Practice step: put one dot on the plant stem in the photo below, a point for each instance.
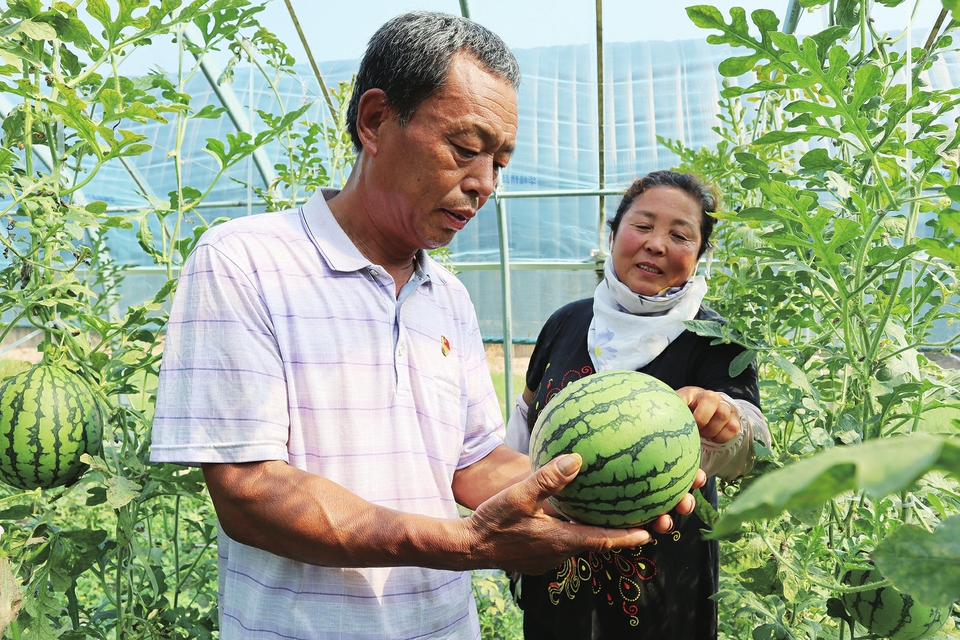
(176, 549)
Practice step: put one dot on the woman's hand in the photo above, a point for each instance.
(718, 419)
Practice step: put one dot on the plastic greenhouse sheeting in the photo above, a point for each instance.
(651, 88)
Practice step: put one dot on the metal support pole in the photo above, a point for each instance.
(507, 302)
(234, 109)
(792, 16)
(313, 64)
(601, 148)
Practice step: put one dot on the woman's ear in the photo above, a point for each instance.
(372, 112)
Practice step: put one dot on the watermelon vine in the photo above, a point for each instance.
(838, 268)
(96, 542)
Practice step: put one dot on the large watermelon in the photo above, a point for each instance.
(888, 613)
(49, 417)
(639, 443)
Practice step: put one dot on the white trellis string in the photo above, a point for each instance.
(12, 346)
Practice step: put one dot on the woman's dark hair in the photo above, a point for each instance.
(703, 192)
(409, 56)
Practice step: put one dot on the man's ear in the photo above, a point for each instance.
(372, 112)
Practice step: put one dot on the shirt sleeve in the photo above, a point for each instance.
(222, 393)
(735, 457)
(518, 434)
(484, 426)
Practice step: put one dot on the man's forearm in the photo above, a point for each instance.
(305, 517)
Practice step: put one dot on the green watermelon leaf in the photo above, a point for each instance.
(121, 491)
(10, 368)
(705, 328)
(741, 362)
(925, 565)
(704, 509)
(879, 468)
(953, 6)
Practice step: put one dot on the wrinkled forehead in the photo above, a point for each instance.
(477, 102)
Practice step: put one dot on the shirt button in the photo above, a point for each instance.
(373, 272)
(400, 349)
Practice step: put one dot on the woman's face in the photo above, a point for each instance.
(657, 243)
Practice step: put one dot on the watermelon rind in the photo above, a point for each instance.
(638, 440)
(887, 612)
(49, 417)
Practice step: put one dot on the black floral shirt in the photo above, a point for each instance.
(660, 590)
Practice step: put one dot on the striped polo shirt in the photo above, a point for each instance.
(285, 343)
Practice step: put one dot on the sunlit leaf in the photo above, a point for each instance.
(120, 491)
(867, 84)
(739, 65)
(879, 468)
(954, 7)
(741, 362)
(936, 248)
(37, 30)
(706, 328)
(782, 137)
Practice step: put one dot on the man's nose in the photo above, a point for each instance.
(482, 179)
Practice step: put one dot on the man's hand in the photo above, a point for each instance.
(513, 531)
(289, 512)
(718, 420)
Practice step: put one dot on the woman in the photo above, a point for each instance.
(634, 321)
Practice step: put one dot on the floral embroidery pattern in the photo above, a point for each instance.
(553, 388)
(616, 575)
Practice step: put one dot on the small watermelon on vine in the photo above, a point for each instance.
(49, 418)
(888, 613)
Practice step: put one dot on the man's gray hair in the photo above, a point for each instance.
(409, 56)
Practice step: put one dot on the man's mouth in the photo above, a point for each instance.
(459, 219)
(649, 269)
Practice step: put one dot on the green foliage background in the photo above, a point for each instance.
(837, 258)
(129, 551)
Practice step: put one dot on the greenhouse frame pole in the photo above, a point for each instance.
(791, 16)
(601, 160)
(234, 109)
(313, 63)
(505, 290)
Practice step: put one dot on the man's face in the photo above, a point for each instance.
(433, 173)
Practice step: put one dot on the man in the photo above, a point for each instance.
(330, 377)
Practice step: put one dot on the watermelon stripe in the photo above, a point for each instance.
(639, 443)
(888, 613)
(49, 417)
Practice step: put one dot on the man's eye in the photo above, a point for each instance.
(465, 153)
